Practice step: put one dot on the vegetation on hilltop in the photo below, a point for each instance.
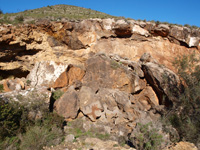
(66, 12)
(53, 13)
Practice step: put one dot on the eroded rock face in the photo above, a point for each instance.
(99, 64)
(89, 103)
(162, 80)
(183, 146)
(68, 104)
(146, 99)
(13, 84)
(69, 76)
(72, 42)
(45, 73)
(103, 72)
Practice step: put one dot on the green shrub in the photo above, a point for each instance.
(10, 143)
(76, 128)
(15, 121)
(19, 18)
(28, 82)
(187, 25)
(1, 88)
(10, 117)
(1, 12)
(57, 94)
(185, 114)
(146, 137)
(39, 136)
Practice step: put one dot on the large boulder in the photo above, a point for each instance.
(161, 30)
(123, 30)
(161, 79)
(146, 99)
(103, 72)
(45, 73)
(185, 35)
(69, 76)
(68, 104)
(90, 103)
(193, 41)
(138, 30)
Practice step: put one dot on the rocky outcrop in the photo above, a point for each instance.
(54, 74)
(13, 84)
(71, 75)
(103, 72)
(163, 81)
(73, 42)
(68, 104)
(46, 73)
(103, 98)
(183, 146)
(114, 73)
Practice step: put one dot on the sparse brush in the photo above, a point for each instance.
(185, 114)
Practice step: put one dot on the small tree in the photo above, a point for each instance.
(1, 12)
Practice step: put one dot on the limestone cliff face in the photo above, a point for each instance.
(114, 74)
(73, 42)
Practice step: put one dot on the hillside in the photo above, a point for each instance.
(109, 83)
(53, 13)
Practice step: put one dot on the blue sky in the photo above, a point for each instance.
(173, 11)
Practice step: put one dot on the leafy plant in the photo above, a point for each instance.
(15, 120)
(1, 88)
(76, 128)
(57, 94)
(10, 117)
(39, 136)
(20, 18)
(185, 114)
(146, 137)
(28, 82)
(10, 143)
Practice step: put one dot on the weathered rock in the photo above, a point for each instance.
(108, 24)
(75, 73)
(185, 35)
(146, 57)
(69, 76)
(68, 105)
(69, 138)
(162, 80)
(72, 42)
(102, 72)
(106, 145)
(89, 103)
(179, 33)
(138, 30)
(61, 81)
(161, 30)
(123, 30)
(193, 41)
(183, 146)
(147, 98)
(45, 73)
(32, 96)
